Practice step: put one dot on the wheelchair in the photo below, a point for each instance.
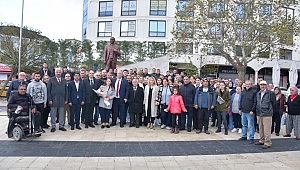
(20, 125)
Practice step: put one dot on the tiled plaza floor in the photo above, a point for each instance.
(131, 148)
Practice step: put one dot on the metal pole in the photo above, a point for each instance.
(20, 45)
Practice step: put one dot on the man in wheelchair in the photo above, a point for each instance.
(21, 103)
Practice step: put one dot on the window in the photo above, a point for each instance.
(216, 9)
(184, 48)
(127, 28)
(244, 10)
(185, 29)
(265, 11)
(264, 33)
(215, 31)
(243, 33)
(128, 7)
(157, 28)
(286, 54)
(105, 9)
(158, 7)
(185, 8)
(239, 52)
(105, 29)
(213, 51)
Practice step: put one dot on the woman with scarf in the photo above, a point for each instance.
(278, 111)
(293, 117)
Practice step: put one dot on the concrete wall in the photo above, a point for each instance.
(162, 63)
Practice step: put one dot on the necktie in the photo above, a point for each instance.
(117, 94)
(134, 91)
(58, 80)
(91, 83)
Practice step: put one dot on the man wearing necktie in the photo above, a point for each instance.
(122, 91)
(135, 103)
(91, 98)
(57, 94)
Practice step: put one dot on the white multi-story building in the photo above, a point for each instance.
(153, 20)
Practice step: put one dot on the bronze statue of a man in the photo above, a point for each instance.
(111, 53)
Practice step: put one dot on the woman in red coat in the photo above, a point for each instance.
(176, 106)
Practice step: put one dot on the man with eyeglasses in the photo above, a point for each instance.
(14, 85)
(67, 112)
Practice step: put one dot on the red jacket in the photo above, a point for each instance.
(176, 105)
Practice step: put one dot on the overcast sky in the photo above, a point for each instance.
(56, 19)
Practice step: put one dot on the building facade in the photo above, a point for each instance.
(153, 20)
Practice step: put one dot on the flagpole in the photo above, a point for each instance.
(20, 43)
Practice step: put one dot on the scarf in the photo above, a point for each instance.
(293, 97)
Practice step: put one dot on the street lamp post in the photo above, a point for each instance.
(20, 45)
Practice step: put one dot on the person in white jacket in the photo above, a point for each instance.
(38, 91)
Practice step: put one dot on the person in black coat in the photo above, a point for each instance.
(91, 98)
(45, 71)
(135, 103)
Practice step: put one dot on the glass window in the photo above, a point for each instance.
(286, 54)
(244, 10)
(184, 7)
(105, 9)
(158, 7)
(216, 9)
(185, 29)
(157, 28)
(213, 51)
(184, 48)
(215, 30)
(128, 7)
(265, 11)
(105, 29)
(243, 33)
(127, 29)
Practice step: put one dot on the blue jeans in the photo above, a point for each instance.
(189, 114)
(247, 119)
(230, 122)
(166, 118)
(96, 115)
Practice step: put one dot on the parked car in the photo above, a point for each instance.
(5, 89)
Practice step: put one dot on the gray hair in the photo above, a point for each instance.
(135, 80)
(58, 69)
(22, 73)
(248, 81)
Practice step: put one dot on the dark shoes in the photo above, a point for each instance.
(91, 125)
(265, 147)
(258, 143)
(207, 132)
(62, 129)
(251, 141)
(176, 131)
(107, 126)
(112, 124)
(137, 126)
(86, 126)
(78, 127)
(226, 131)
(242, 138)
(189, 130)
(131, 125)
(102, 127)
(72, 128)
(172, 130)
(96, 123)
(199, 131)
(121, 126)
(218, 131)
(277, 134)
(53, 130)
(287, 135)
(213, 125)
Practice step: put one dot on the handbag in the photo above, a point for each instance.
(220, 100)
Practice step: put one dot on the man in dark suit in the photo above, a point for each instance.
(122, 91)
(45, 71)
(91, 98)
(76, 99)
(135, 102)
(57, 94)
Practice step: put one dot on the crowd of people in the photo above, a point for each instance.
(172, 101)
